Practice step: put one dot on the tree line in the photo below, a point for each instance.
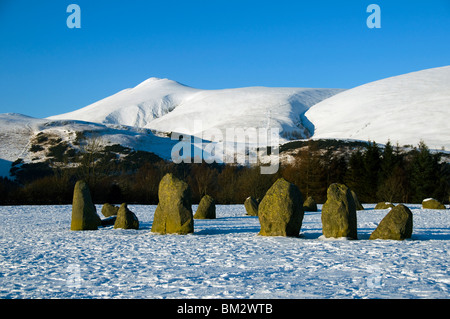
(116, 174)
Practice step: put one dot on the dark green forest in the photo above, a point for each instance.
(116, 174)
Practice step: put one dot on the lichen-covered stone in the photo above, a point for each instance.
(431, 203)
(109, 210)
(384, 205)
(339, 213)
(206, 208)
(281, 210)
(84, 213)
(126, 219)
(173, 215)
(310, 205)
(396, 225)
(356, 200)
(251, 206)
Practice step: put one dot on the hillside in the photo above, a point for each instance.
(168, 106)
(404, 109)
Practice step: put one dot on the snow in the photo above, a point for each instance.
(405, 109)
(168, 106)
(225, 258)
(17, 132)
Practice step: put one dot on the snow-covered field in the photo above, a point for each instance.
(225, 258)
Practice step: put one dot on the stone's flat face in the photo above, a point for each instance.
(251, 206)
(84, 214)
(173, 214)
(339, 213)
(396, 225)
(281, 210)
(126, 219)
(206, 208)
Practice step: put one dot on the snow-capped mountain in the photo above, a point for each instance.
(405, 109)
(168, 106)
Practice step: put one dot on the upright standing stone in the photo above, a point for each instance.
(126, 219)
(206, 208)
(281, 210)
(173, 215)
(339, 213)
(251, 206)
(396, 225)
(84, 213)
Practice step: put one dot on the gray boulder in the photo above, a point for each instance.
(126, 219)
(396, 225)
(84, 213)
(280, 212)
(206, 208)
(173, 215)
(339, 213)
(251, 206)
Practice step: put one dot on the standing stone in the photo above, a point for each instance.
(206, 209)
(396, 225)
(281, 210)
(431, 203)
(126, 219)
(339, 213)
(310, 205)
(357, 203)
(84, 213)
(109, 210)
(251, 206)
(384, 205)
(173, 215)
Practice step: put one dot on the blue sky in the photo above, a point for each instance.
(47, 68)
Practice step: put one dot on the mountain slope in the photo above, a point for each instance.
(19, 133)
(404, 109)
(165, 105)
